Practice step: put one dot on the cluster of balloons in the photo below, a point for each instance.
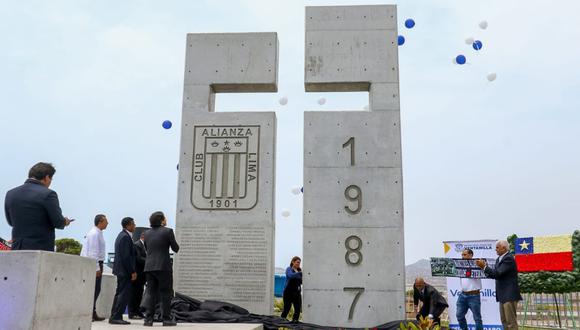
(409, 24)
(477, 45)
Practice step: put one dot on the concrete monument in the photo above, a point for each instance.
(42, 290)
(225, 208)
(353, 192)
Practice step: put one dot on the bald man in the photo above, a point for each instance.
(433, 302)
(507, 291)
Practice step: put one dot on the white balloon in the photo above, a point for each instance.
(285, 213)
(483, 25)
(366, 108)
(469, 41)
(296, 190)
(321, 101)
(491, 76)
(283, 100)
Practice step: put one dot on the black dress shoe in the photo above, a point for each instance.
(148, 323)
(97, 317)
(121, 322)
(169, 323)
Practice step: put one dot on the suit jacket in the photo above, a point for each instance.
(158, 240)
(125, 255)
(505, 273)
(34, 212)
(431, 298)
(141, 256)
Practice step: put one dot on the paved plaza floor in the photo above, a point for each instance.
(138, 325)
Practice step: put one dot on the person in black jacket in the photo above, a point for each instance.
(33, 211)
(158, 269)
(124, 268)
(433, 302)
(292, 290)
(507, 291)
(139, 284)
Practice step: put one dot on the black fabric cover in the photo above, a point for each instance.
(187, 309)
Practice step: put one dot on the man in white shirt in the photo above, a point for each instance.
(469, 298)
(95, 248)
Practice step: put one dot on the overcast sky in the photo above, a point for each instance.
(86, 85)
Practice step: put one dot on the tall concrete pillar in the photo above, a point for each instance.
(225, 207)
(353, 189)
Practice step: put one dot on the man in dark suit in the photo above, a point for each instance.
(433, 302)
(158, 268)
(507, 290)
(33, 211)
(137, 295)
(124, 268)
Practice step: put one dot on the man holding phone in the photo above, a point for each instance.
(33, 211)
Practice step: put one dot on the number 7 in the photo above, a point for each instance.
(358, 291)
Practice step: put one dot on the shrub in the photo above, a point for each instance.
(68, 246)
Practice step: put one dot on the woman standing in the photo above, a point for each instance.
(292, 291)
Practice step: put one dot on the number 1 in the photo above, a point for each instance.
(351, 143)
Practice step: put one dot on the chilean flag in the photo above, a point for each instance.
(545, 253)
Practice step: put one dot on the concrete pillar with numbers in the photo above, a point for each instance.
(225, 207)
(353, 189)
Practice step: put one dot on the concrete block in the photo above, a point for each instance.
(327, 135)
(348, 48)
(341, 18)
(105, 300)
(46, 290)
(378, 192)
(225, 219)
(336, 305)
(232, 62)
(384, 96)
(350, 57)
(355, 257)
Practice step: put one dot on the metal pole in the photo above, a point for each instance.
(557, 311)
(526, 308)
(571, 307)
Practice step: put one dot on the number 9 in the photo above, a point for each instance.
(356, 198)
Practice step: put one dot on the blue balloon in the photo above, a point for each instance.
(178, 167)
(409, 23)
(477, 45)
(401, 40)
(302, 189)
(167, 124)
(460, 59)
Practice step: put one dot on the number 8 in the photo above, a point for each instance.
(356, 250)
